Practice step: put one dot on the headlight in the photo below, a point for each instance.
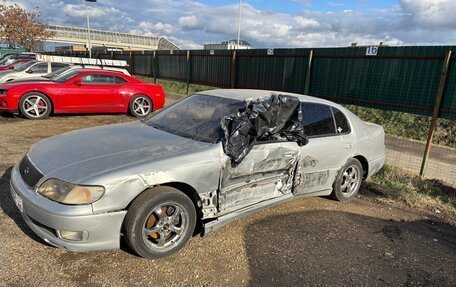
(69, 193)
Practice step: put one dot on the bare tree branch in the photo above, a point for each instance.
(19, 27)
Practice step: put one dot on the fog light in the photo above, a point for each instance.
(74, 235)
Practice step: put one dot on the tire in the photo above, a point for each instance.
(35, 106)
(348, 181)
(153, 236)
(141, 106)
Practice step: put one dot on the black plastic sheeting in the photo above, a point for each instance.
(274, 118)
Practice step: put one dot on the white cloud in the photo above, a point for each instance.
(439, 13)
(190, 22)
(304, 23)
(159, 27)
(81, 11)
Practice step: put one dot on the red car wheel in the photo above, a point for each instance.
(141, 106)
(35, 106)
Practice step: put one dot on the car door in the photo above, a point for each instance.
(266, 172)
(93, 92)
(330, 144)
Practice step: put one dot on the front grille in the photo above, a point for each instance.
(29, 173)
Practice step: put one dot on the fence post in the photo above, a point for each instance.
(187, 67)
(435, 113)
(153, 67)
(284, 73)
(132, 66)
(308, 72)
(233, 70)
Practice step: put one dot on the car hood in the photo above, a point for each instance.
(31, 80)
(6, 72)
(82, 154)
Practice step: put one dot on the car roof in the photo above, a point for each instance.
(250, 94)
(101, 71)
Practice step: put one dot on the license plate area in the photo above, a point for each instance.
(18, 201)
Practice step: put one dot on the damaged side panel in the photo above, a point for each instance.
(266, 172)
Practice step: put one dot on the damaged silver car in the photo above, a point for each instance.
(191, 168)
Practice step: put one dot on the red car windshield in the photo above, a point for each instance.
(197, 117)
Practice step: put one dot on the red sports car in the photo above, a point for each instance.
(11, 66)
(82, 91)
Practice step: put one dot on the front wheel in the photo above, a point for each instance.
(35, 106)
(348, 181)
(159, 222)
(141, 106)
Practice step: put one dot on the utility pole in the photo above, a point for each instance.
(89, 44)
(239, 24)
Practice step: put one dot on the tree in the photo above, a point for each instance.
(19, 27)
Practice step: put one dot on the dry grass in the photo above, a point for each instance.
(400, 185)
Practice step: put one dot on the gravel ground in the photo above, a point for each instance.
(312, 241)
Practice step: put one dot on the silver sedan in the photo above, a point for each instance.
(191, 168)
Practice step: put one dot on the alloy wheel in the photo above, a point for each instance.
(165, 226)
(142, 106)
(350, 180)
(35, 106)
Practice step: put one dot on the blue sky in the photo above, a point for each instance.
(286, 23)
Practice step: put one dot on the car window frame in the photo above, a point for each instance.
(331, 108)
(346, 119)
(36, 64)
(102, 84)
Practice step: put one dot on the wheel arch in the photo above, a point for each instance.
(189, 191)
(364, 164)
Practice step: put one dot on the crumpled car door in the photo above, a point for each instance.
(266, 172)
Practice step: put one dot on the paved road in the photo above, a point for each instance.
(408, 154)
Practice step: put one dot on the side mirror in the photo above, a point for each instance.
(29, 72)
(78, 82)
(11, 67)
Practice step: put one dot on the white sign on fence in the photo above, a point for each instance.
(371, 50)
(270, 52)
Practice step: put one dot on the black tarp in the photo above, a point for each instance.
(274, 118)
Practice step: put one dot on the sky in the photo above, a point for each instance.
(266, 24)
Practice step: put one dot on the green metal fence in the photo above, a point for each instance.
(403, 79)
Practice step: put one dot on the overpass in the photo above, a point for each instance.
(77, 35)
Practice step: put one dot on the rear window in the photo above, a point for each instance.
(317, 120)
(99, 79)
(342, 125)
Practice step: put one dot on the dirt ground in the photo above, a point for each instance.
(313, 241)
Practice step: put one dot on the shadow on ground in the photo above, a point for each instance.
(339, 248)
(9, 208)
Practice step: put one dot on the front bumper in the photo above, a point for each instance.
(46, 218)
(8, 104)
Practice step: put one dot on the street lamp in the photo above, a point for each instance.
(89, 45)
(239, 24)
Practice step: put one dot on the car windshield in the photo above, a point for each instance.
(23, 66)
(62, 78)
(197, 117)
(58, 72)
